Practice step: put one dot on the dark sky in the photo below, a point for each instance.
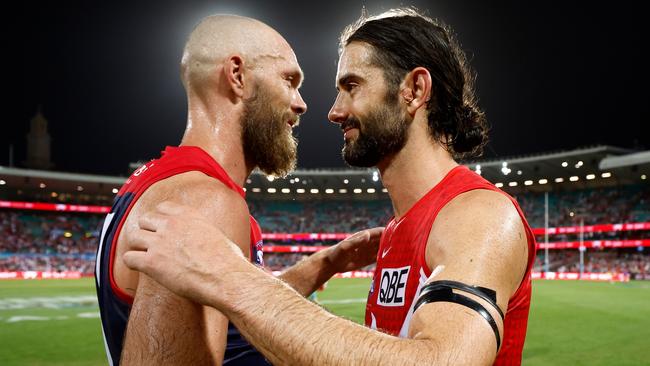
(551, 75)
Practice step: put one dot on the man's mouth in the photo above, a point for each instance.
(347, 128)
(349, 132)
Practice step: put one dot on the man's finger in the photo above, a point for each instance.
(141, 240)
(152, 221)
(136, 260)
(170, 208)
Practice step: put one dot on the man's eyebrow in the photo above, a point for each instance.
(297, 77)
(347, 78)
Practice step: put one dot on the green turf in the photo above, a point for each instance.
(571, 323)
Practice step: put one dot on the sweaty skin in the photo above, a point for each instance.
(222, 57)
(482, 227)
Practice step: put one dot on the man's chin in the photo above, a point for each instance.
(357, 161)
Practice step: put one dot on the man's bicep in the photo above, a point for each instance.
(477, 251)
(480, 240)
(166, 329)
(461, 335)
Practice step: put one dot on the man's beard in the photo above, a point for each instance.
(268, 142)
(383, 133)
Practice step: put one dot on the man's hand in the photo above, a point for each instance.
(184, 252)
(356, 251)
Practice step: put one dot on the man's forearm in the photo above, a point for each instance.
(291, 330)
(308, 274)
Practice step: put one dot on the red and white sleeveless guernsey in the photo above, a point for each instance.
(115, 304)
(402, 270)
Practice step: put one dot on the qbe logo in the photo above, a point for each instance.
(393, 286)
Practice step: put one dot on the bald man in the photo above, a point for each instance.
(242, 80)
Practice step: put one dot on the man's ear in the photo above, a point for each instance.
(234, 70)
(416, 90)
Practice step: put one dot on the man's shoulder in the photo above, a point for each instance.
(198, 190)
(478, 204)
(209, 195)
(480, 215)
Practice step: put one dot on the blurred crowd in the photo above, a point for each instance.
(630, 261)
(591, 206)
(31, 240)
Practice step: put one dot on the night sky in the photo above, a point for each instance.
(551, 76)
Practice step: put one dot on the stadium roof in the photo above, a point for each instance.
(597, 166)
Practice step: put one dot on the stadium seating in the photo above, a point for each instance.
(56, 241)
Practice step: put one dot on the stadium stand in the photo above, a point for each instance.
(50, 221)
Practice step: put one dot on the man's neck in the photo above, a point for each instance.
(415, 170)
(219, 135)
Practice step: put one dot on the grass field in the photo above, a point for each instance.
(55, 322)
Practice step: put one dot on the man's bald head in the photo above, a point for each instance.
(219, 36)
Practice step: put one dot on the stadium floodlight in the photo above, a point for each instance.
(115, 190)
(370, 190)
(80, 188)
(42, 185)
(542, 181)
(244, 189)
(286, 190)
(54, 194)
(296, 179)
(345, 181)
(257, 190)
(519, 172)
(574, 178)
(559, 180)
(498, 185)
(385, 190)
(249, 181)
(571, 214)
(504, 168)
(375, 178)
(478, 169)
(313, 190)
(329, 191)
(300, 190)
(271, 190)
(606, 175)
(343, 190)
(358, 190)
(643, 177)
(565, 164)
(512, 184)
(270, 178)
(2, 182)
(579, 164)
(591, 176)
(528, 183)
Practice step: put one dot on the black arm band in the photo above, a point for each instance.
(443, 291)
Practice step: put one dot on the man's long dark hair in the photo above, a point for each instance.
(403, 39)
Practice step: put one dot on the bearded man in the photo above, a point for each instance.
(242, 80)
(452, 285)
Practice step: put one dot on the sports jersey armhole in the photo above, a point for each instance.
(423, 250)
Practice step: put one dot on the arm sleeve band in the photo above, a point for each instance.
(442, 291)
